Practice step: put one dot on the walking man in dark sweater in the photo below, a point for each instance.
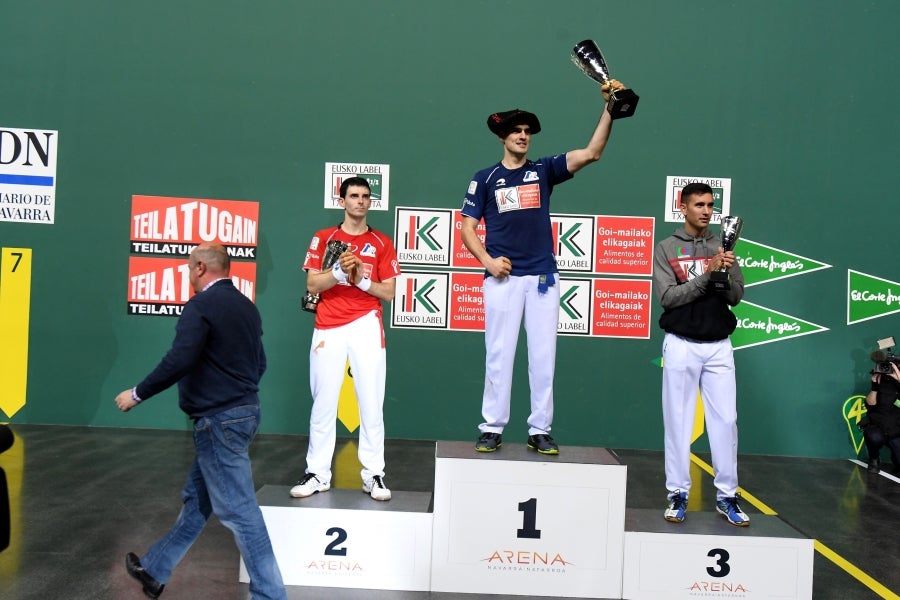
(217, 359)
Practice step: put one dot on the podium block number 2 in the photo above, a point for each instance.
(340, 536)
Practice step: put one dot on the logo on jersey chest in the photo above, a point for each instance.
(368, 250)
(688, 268)
(518, 198)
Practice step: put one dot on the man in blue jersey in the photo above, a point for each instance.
(513, 198)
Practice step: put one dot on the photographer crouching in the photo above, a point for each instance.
(881, 423)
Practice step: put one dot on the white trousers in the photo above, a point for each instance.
(362, 341)
(687, 366)
(505, 301)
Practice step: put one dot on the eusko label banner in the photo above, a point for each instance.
(378, 176)
(450, 296)
(721, 187)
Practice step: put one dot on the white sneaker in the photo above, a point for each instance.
(375, 487)
(309, 485)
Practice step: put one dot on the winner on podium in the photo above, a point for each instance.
(513, 198)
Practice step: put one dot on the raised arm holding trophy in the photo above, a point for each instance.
(587, 57)
(520, 267)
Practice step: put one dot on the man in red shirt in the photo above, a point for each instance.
(348, 326)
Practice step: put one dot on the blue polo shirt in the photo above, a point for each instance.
(515, 206)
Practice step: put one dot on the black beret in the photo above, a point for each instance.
(502, 122)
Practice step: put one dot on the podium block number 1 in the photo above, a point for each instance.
(529, 519)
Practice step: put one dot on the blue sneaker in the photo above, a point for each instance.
(677, 507)
(730, 508)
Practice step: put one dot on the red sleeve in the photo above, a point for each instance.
(314, 252)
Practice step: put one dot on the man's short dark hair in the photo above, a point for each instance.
(358, 181)
(696, 188)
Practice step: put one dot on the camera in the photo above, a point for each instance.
(884, 356)
(884, 367)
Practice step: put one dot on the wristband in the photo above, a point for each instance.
(338, 273)
(876, 386)
(364, 284)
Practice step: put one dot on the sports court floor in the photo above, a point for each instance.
(82, 497)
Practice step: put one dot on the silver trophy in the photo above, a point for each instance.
(731, 231)
(333, 251)
(588, 58)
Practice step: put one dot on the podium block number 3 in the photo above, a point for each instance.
(722, 568)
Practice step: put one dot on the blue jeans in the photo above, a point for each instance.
(220, 481)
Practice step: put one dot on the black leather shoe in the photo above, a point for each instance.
(874, 465)
(152, 588)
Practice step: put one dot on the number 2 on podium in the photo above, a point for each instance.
(340, 536)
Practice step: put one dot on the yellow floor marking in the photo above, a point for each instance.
(851, 569)
(857, 573)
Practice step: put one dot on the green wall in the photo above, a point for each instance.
(794, 101)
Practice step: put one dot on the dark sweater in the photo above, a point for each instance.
(681, 282)
(884, 413)
(217, 356)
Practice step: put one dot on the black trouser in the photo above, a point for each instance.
(6, 441)
(876, 440)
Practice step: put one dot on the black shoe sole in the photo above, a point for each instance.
(548, 452)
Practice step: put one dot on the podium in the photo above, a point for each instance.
(705, 556)
(518, 522)
(343, 538)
